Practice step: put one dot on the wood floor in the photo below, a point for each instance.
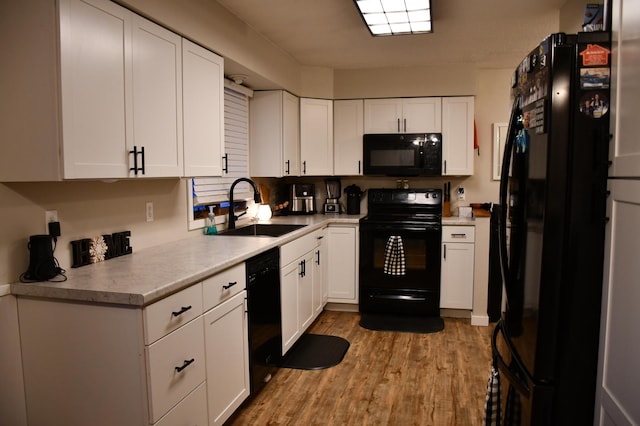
(385, 379)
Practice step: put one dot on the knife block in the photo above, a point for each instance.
(446, 209)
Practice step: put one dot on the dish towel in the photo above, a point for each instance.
(492, 403)
(394, 262)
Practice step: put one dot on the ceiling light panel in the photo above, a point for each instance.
(395, 17)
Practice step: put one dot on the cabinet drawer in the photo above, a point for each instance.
(190, 411)
(176, 366)
(168, 314)
(296, 248)
(223, 285)
(458, 234)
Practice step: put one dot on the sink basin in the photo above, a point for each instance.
(262, 229)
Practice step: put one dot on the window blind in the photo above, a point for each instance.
(208, 190)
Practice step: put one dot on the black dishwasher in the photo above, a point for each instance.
(265, 323)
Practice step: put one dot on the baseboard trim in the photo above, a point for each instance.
(480, 320)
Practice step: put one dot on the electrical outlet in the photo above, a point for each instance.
(49, 216)
(460, 193)
(149, 210)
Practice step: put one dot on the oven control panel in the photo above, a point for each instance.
(405, 196)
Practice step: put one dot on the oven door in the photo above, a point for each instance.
(400, 267)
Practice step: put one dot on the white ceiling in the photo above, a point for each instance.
(330, 33)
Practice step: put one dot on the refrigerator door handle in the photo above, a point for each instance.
(514, 377)
(516, 112)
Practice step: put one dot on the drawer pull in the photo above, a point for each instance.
(181, 311)
(185, 365)
(458, 235)
(228, 286)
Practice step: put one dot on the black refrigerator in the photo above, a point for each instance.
(551, 235)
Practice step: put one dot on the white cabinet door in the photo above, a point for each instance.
(457, 135)
(203, 106)
(348, 129)
(289, 304)
(319, 275)
(157, 98)
(274, 144)
(625, 94)
(403, 115)
(457, 263)
(382, 115)
(619, 375)
(227, 351)
(456, 288)
(421, 115)
(342, 264)
(95, 57)
(290, 161)
(306, 309)
(316, 137)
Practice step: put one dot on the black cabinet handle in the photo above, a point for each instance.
(181, 311)
(445, 251)
(405, 124)
(135, 169)
(302, 268)
(288, 171)
(304, 167)
(187, 362)
(359, 171)
(225, 163)
(228, 286)
(318, 257)
(143, 162)
(398, 125)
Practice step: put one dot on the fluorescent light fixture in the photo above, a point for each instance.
(395, 17)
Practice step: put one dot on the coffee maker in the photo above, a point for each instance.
(332, 204)
(303, 199)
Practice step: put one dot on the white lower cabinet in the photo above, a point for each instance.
(456, 282)
(320, 273)
(342, 263)
(227, 348)
(190, 411)
(176, 365)
(300, 285)
(183, 360)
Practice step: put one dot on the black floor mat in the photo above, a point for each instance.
(402, 323)
(315, 352)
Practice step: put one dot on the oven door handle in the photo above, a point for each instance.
(400, 227)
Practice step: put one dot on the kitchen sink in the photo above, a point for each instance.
(262, 229)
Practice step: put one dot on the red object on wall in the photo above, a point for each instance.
(475, 136)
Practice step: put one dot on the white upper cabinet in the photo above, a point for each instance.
(157, 98)
(203, 106)
(316, 137)
(403, 115)
(121, 86)
(457, 135)
(274, 141)
(348, 128)
(625, 95)
(106, 100)
(95, 60)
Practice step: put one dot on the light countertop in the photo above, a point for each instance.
(148, 275)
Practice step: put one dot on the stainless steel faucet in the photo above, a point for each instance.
(231, 224)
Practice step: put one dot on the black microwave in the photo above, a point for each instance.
(414, 154)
